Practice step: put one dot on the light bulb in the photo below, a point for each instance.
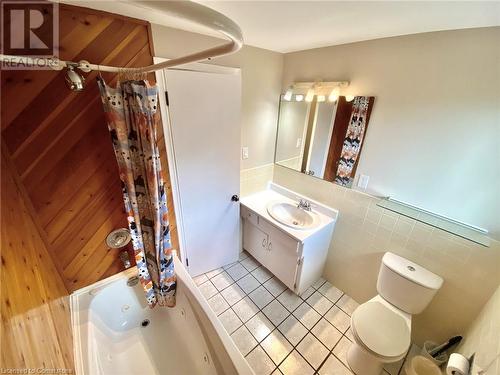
(299, 98)
(349, 98)
(288, 95)
(321, 98)
(334, 95)
(310, 95)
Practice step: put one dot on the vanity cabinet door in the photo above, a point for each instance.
(255, 241)
(283, 258)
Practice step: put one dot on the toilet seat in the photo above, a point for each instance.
(380, 330)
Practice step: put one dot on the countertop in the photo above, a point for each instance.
(258, 203)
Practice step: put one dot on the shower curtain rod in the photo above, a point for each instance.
(187, 10)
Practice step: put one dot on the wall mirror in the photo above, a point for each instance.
(323, 136)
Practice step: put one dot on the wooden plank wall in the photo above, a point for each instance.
(35, 327)
(58, 144)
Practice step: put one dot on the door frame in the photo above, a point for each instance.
(170, 144)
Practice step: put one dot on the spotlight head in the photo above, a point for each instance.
(74, 81)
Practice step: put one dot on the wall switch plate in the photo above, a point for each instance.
(244, 153)
(363, 181)
(299, 142)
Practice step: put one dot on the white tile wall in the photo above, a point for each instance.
(294, 163)
(255, 179)
(364, 232)
(483, 337)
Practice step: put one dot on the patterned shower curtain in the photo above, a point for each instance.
(353, 140)
(133, 118)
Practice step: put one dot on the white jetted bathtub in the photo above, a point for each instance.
(115, 332)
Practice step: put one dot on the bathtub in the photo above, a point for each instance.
(115, 332)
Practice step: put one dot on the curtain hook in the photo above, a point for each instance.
(99, 72)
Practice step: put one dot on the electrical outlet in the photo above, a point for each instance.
(244, 153)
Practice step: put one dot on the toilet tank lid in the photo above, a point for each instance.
(412, 271)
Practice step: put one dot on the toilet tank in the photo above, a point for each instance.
(405, 284)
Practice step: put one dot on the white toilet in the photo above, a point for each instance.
(382, 326)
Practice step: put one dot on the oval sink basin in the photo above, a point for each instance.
(289, 214)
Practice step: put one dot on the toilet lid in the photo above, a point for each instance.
(381, 330)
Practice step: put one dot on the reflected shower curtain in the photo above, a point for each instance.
(353, 141)
(133, 117)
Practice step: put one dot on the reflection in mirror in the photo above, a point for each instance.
(321, 138)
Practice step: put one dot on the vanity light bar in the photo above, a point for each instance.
(310, 95)
(334, 95)
(319, 85)
(288, 94)
(322, 90)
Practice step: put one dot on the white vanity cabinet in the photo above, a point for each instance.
(297, 258)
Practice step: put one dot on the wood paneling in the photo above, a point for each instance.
(58, 143)
(35, 327)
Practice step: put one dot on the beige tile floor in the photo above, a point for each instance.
(277, 331)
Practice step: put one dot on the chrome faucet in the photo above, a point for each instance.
(304, 205)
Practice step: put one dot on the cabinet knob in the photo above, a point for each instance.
(270, 246)
(264, 244)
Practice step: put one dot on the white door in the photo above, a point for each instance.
(204, 137)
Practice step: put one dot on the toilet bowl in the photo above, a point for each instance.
(381, 335)
(381, 327)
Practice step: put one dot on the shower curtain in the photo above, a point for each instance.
(353, 141)
(133, 119)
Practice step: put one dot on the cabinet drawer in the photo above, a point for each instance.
(249, 215)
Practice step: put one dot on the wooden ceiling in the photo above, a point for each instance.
(59, 148)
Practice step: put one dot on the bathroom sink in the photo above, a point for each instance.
(289, 214)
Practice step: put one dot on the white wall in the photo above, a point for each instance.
(320, 143)
(364, 232)
(434, 133)
(261, 74)
(293, 120)
(483, 335)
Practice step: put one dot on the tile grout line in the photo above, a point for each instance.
(275, 327)
(309, 331)
(290, 313)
